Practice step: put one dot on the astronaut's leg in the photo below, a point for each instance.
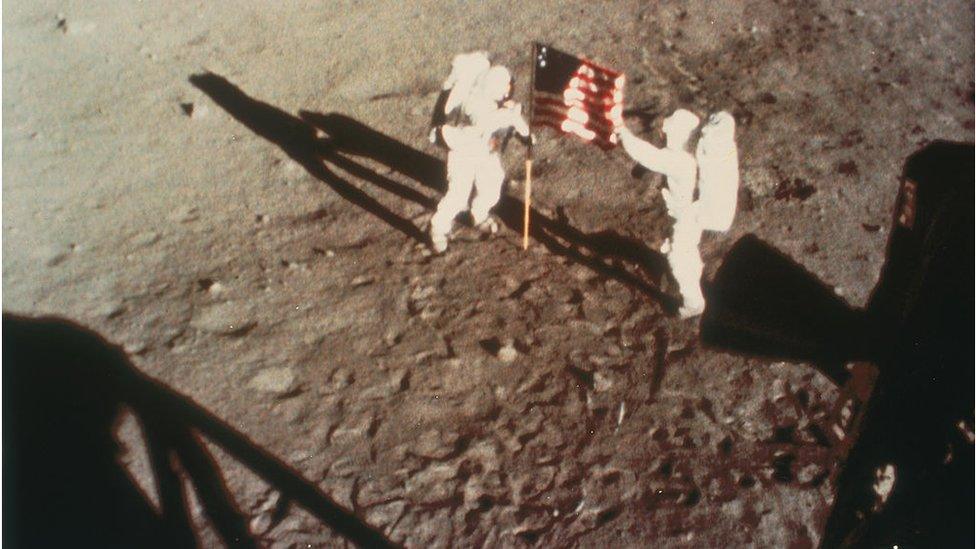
(487, 190)
(460, 177)
(686, 263)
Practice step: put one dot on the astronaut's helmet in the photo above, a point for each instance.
(496, 84)
(679, 127)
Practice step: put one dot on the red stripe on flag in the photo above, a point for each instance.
(595, 108)
(597, 125)
(597, 119)
(606, 140)
(598, 67)
(600, 79)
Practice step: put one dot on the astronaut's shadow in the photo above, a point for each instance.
(347, 139)
(606, 252)
(299, 141)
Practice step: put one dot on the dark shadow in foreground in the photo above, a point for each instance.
(917, 425)
(64, 388)
(347, 139)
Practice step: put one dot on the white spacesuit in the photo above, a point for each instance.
(718, 172)
(713, 168)
(473, 161)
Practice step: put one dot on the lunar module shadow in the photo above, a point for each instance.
(64, 390)
(916, 427)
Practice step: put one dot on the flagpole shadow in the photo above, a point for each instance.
(64, 390)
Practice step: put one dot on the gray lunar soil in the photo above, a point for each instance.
(489, 396)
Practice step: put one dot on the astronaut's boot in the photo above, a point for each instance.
(692, 304)
(440, 227)
(438, 242)
(488, 226)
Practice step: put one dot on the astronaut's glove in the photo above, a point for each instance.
(620, 129)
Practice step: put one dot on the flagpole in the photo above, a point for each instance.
(528, 159)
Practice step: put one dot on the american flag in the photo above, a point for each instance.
(576, 96)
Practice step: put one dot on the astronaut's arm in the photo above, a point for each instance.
(513, 117)
(649, 156)
(520, 125)
(439, 117)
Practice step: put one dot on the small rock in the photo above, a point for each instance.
(884, 482)
(810, 474)
(385, 515)
(397, 381)
(341, 379)
(779, 390)
(278, 381)
(55, 258)
(535, 522)
(84, 27)
(261, 523)
(434, 484)
(185, 214)
(479, 404)
(227, 319)
(362, 280)
(601, 382)
(358, 429)
(344, 467)
(289, 524)
(435, 444)
(110, 309)
(378, 489)
(341, 490)
(392, 336)
(135, 347)
(145, 239)
(293, 411)
(431, 312)
(581, 273)
(196, 111)
(508, 353)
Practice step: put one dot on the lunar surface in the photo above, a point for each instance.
(237, 195)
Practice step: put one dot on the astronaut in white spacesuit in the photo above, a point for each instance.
(713, 169)
(481, 94)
